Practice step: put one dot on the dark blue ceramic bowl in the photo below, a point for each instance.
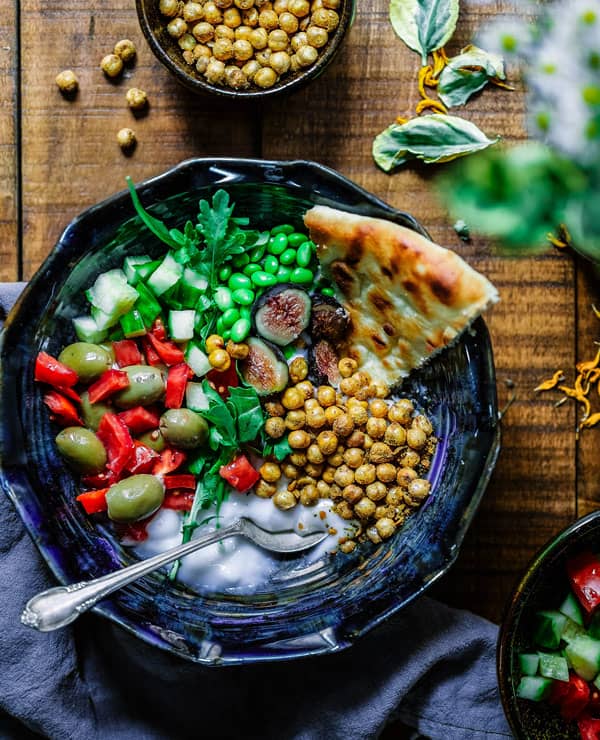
(323, 611)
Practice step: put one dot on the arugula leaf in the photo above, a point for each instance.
(156, 226)
(424, 25)
(467, 73)
(434, 138)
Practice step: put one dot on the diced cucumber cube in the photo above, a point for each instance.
(112, 294)
(166, 275)
(534, 688)
(549, 628)
(571, 630)
(181, 325)
(554, 666)
(194, 279)
(87, 330)
(584, 654)
(197, 360)
(593, 629)
(196, 399)
(570, 607)
(103, 320)
(130, 264)
(529, 663)
(146, 269)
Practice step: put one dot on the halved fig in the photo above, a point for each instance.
(323, 363)
(264, 368)
(329, 319)
(282, 314)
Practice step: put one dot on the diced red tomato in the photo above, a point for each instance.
(62, 410)
(179, 501)
(170, 460)
(176, 384)
(127, 353)
(168, 352)
(225, 380)
(142, 459)
(107, 384)
(93, 501)
(158, 329)
(140, 419)
(152, 357)
(584, 576)
(589, 727)
(240, 474)
(572, 697)
(117, 440)
(183, 480)
(49, 370)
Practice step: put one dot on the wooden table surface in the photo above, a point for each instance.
(59, 157)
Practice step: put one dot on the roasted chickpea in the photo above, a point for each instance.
(405, 476)
(67, 82)
(404, 408)
(336, 459)
(212, 14)
(292, 399)
(380, 453)
(274, 408)
(275, 427)
(298, 440)
(314, 454)
(382, 510)
(112, 65)
(327, 442)
(264, 489)
(354, 457)
(278, 40)
(250, 17)
(223, 4)
(295, 419)
(304, 23)
(298, 459)
(409, 459)
(192, 12)
(292, 486)
(268, 19)
(395, 435)
(344, 476)
(271, 472)
(250, 69)
(368, 443)
(331, 4)
(169, 8)
(215, 71)
(258, 38)
(126, 139)
(373, 535)
(306, 480)
(290, 471)
(356, 439)
(365, 508)
(347, 547)
(385, 527)
(386, 472)
(237, 351)
(378, 408)
(365, 474)
(422, 422)
(328, 475)
(323, 488)
(298, 40)
(335, 492)
(280, 6)
(419, 488)
(298, 366)
(222, 49)
(242, 50)
(317, 36)
(300, 8)
(309, 495)
(187, 42)
(244, 4)
(343, 509)
(224, 32)
(416, 438)
(203, 32)
(315, 417)
(327, 19)
(288, 23)
(358, 414)
(126, 49)
(343, 426)
(326, 395)
(136, 98)
(306, 55)
(349, 386)
(332, 413)
(394, 496)
(220, 360)
(352, 493)
(306, 388)
(284, 500)
(376, 427)
(381, 389)
(280, 62)
(376, 491)
(232, 18)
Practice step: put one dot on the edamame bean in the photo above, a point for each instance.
(223, 298)
(263, 279)
(300, 275)
(240, 260)
(277, 244)
(228, 318)
(245, 312)
(224, 273)
(282, 229)
(288, 257)
(304, 254)
(240, 330)
(257, 253)
(328, 291)
(250, 269)
(271, 264)
(283, 274)
(244, 296)
(237, 281)
(296, 239)
(221, 323)
(226, 335)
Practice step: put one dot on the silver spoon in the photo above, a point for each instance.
(59, 606)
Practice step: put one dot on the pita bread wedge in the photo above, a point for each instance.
(407, 297)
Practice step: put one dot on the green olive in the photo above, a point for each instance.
(88, 360)
(153, 439)
(92, 413)
(134, 498)
(183, 428)
(146, 385)
(82, 450)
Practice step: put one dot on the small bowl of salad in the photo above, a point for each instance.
(549, 644)
(174, 366)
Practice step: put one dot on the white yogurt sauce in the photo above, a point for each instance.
(236, 564)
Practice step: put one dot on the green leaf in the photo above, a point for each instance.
(223, 430)
(244, 406)
(156, 226)
(281, 448)
(434, 138)
(467, 73)
(424, 25)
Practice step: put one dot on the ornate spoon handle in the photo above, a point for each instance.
(57, 607)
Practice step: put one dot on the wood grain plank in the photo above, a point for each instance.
(9, 258)
(532, 493)
(70, 155)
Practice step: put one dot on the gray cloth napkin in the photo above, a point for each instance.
(430, 666)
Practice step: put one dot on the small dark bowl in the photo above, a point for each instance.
(323, 609)
(167, 51)
(543, 586)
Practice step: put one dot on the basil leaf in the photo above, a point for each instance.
(282, 448)
(424, 25)
(244, 406)
(467, 73)
(434, 138)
